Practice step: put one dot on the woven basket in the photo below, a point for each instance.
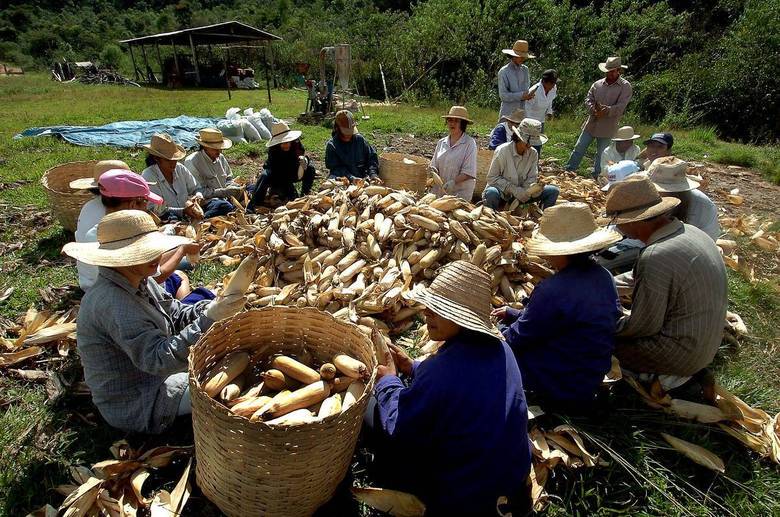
(64, 201)
(251, 468)
(484, 158)
(404, 176)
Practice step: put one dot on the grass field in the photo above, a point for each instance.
(38, 441)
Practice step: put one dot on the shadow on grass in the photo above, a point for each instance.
(48, 247)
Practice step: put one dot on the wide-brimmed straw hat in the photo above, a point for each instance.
(568, 229)
(461, 293)
(611, 63)
(213, 138)
(516, 116)
(625, 133)
(459, 112)
(282, 133)
(162, 145)
(530, 131)
(669, 174)
(125, 238)
(519, 49)
(97, 169)
(635, 199)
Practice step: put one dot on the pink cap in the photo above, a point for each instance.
(123, 183)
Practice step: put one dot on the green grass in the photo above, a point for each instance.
(39, 440)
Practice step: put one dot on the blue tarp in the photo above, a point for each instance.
(131, 133)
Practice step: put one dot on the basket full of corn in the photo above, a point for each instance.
(278, 396)
(404, 171)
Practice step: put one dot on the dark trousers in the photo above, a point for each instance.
(216, 207)
(285, 190)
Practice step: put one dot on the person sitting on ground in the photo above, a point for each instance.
(657, 146)
(133, 338)
(515, 168)
(621, 148)
(450, 442)
(455, 157)
(670, 177)
(210, 168)
(564, 336)
(174, 182)
(126, 190)
(680, 294)
(502, 133)
(287, 164)
(93, 210)
(348, 154)
(539, 107)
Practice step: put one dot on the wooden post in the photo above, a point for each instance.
(267, 79)
(227, 74)
(159, 60)
(273, 67)
(195, 59)
(146, 63)
(384, 85)
(176, 61)
(132, 57)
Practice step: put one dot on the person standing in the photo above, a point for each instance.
(513, 79)
(455, 157)
(539, 107)
(606, 102)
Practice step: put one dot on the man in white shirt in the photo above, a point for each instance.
(539, 107)
(621, 148)
(515, 169)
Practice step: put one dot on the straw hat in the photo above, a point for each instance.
(282, 133)
(125, 238)
(669, 175)
(162, 145)
(635, 199)
(611, 63)
(568, 229)
(530, 131)
(625, 133)
(516, 116)
(519, 49)
(213, 138)
(97, 169)
(459, 112)
(461, 293)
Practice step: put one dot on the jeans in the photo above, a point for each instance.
(492, 197)
(583, 142)
(286, 191)
(216, 207)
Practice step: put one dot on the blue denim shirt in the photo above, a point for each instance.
(564, 337)
(461, 427)
(513, 83)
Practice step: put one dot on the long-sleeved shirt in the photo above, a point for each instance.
(615, 98)
(513, 84)
(282, 166)
(209, 174)
(510, 171)
(353, 159)
(132, 340)
(174, 195)
(91, 214)
(702, 213)
(564, 337)
(501, 134)
(679, 304)
(452, 160)
(540, 105)
(462, 426)
(612, 155)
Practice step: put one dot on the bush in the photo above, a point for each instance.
(112, 56)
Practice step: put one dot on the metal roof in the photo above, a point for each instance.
(219, 33)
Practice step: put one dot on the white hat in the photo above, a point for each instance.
(530, 131)
(619, 171)
(625, 133)
(611, 63)
(669, 174)
(282, 133)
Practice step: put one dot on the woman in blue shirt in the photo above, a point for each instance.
(457, 437)
(564, 337)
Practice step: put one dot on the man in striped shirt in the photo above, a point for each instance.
(680, 294)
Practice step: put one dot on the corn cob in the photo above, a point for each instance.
(330, 406)
(353, 394)
(328, 372)
(225, 371)
(298, 399)
(295, 369)
(350, 366)
(242, 278)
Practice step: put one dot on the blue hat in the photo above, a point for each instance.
(662, 138)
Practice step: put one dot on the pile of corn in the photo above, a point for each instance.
(358, 252)
(284, 390)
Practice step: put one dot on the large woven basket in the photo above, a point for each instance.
(64, 201)
(484, 159)
(251, 468)
(404, 176)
